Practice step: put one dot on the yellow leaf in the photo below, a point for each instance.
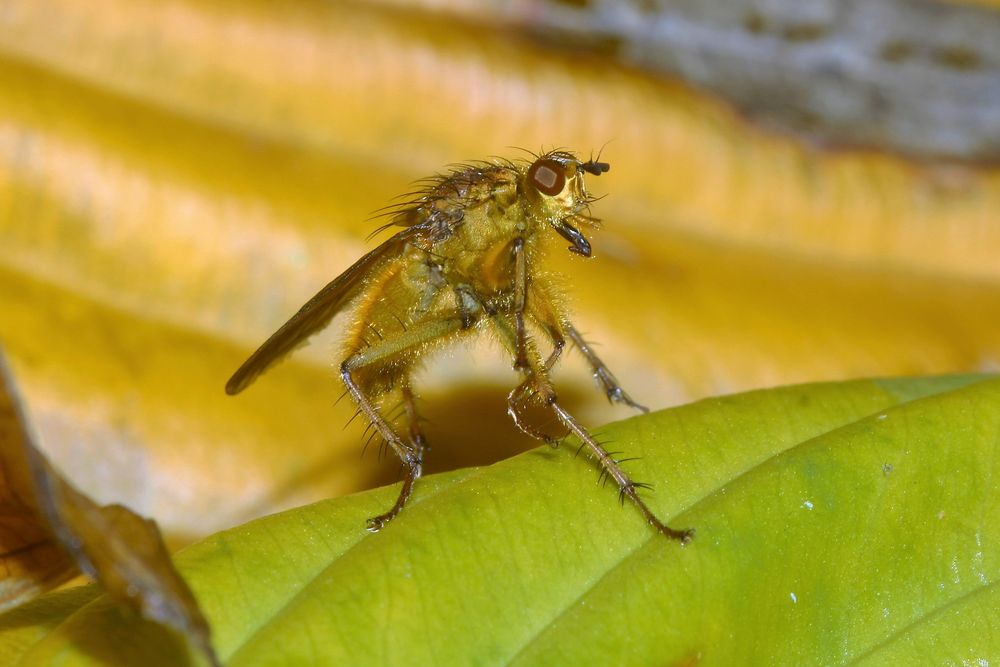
(182, 175)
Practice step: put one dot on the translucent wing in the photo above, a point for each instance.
(317, 312)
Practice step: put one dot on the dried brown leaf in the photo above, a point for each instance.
(49, 531)
(31, 562)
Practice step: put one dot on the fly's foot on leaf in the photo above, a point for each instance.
(377, 523)
(685, 536)
(682, 536)
(628, 490)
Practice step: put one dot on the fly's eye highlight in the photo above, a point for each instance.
(548, 177)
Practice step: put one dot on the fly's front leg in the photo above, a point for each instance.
(531, 387)
(536, 384)
(369, 360)
(558, 343)
(602, 374)
(627, 488)
(520, 305)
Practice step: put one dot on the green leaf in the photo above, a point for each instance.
(850, 522)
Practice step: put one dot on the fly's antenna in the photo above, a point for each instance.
(594, 165)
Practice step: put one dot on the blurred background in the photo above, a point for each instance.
(800, 191)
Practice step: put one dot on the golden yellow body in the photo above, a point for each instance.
(466, 260)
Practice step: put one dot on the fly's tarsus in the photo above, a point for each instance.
(469, 257)
(609, 383)
(617, 395)
(413, 467)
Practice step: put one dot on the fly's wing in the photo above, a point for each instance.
(316, 313)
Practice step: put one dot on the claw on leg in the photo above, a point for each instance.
(413, 470)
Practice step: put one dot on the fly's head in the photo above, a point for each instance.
(557, 195)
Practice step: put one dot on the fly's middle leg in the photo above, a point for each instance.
(627, 488)
(413, 419)
(520, 305)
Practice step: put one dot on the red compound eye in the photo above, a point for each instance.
(548, 177)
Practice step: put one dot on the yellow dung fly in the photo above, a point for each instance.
(467, 260)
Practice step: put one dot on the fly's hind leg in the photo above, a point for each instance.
(413, 419)
(369, 360)
(602, 374)
(413, 462)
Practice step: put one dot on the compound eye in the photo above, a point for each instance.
(548, 177)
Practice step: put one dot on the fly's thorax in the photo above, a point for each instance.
(481, 242)
(493, 218)
(491, 270)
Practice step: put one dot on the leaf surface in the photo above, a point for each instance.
(31, 560)
(850, 522)
(179, 176)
